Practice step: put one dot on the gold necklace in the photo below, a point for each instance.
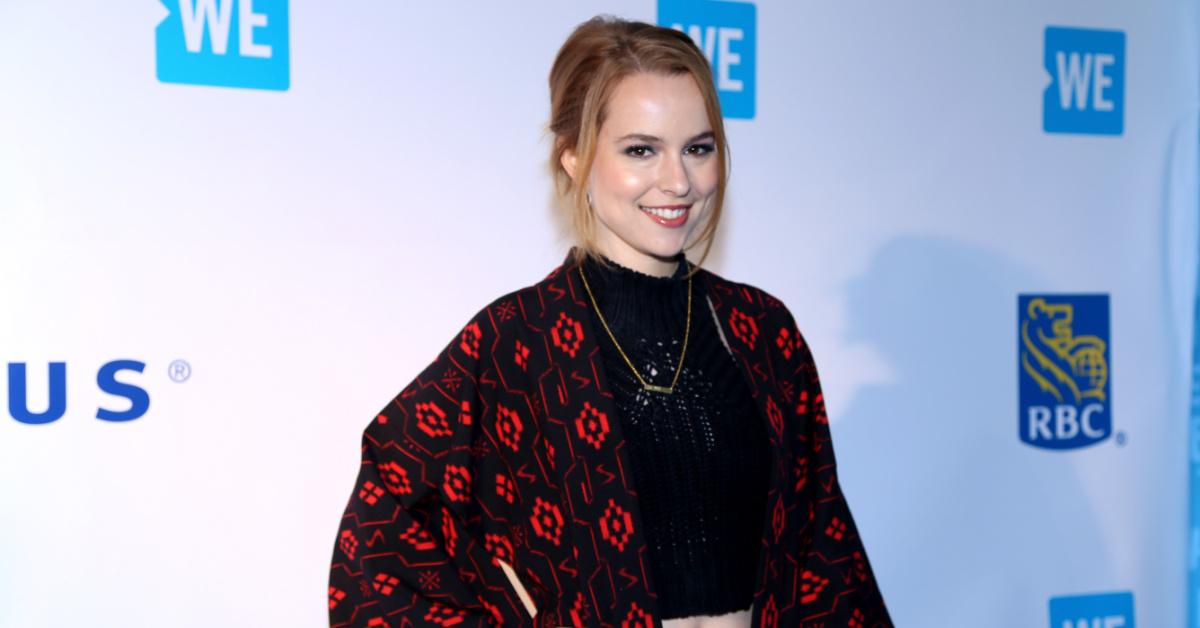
(646, 385)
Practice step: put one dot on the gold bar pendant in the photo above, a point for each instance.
(660, 389)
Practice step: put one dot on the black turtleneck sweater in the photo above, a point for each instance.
(700, 455)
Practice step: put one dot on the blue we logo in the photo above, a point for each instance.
(725, 31)
(1087, 87)
(1104, 610)
(227, 43)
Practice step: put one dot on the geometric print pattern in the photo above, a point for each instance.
(508, 447)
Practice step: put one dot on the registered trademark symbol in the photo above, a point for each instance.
(179, 371)
(1120, 439)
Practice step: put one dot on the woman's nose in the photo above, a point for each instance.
(673, 177)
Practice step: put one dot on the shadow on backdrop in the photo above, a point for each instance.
(965, 524)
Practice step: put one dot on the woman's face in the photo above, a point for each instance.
(655, 171)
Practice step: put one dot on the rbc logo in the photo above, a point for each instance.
(1063, 370)
(725, 31)
(228, 43)
(1105, 610)
(1087, 81)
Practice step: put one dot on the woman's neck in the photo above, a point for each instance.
(643, 263)
(630, 298)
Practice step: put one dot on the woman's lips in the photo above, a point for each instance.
(670, 216)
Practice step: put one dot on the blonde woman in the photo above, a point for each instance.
(633, 440)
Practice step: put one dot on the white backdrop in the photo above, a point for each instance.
(307, 251)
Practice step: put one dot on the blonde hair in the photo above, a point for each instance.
(597, 55)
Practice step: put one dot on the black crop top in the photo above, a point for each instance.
(699, 456)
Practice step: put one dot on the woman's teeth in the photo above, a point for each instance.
(669, 214)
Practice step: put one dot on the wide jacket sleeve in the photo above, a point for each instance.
(422, 534)
(836, 580)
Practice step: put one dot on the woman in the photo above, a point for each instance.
(632, 440)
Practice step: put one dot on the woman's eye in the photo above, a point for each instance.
(700, 149)
(639, 151)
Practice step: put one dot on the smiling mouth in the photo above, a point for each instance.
(667, 215)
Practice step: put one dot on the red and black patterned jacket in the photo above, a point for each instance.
(508, 447)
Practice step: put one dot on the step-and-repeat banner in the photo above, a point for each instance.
(232, 230)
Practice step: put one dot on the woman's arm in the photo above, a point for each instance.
(836, 557)
(414, 541)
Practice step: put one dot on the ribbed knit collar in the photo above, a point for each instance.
(636, 303)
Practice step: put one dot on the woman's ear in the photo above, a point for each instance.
(568, 160)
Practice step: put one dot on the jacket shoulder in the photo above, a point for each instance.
(523, 304)
(746, 295)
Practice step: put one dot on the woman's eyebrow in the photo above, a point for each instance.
(654, 139)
